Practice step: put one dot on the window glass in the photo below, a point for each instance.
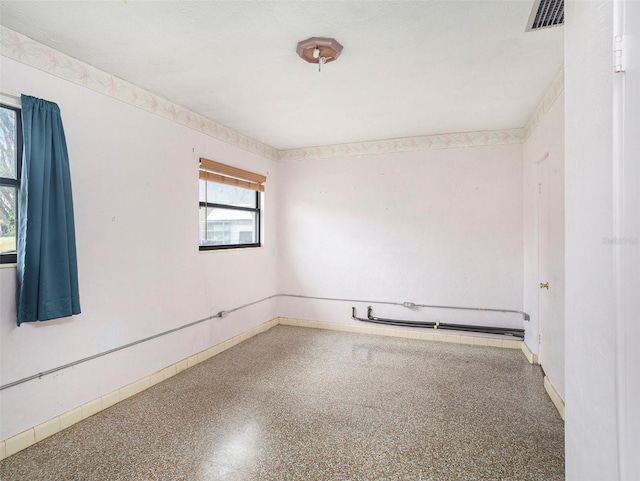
(230, 195)
(8, 210)
(8, 157)
(202, 187)
(220, 226)
(229, 206)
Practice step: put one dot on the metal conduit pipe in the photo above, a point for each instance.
(224, 313)
(220, 314)
(504, 331)
(461, 327)
(454, 327)
(524, 315)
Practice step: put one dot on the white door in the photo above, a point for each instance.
(543, 254)
(551, 263)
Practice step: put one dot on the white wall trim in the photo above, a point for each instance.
(25, 50)
(555, 397)
(408, 144)
(554, 91)
(27, 438)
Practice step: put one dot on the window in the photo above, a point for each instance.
(10, 170)
(229, 206)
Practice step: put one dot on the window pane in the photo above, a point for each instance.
(8, 211)
(8, 143)
(202, 185)
(227, 227)
(230, 195)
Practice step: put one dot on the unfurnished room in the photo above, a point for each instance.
(320, 240)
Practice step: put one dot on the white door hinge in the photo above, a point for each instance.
(620, 53)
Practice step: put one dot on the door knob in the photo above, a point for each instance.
(544, 285)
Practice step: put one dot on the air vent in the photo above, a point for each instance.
(545, 14)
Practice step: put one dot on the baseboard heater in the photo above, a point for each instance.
(504, 331)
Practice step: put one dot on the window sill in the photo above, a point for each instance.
(8, 266)
(230, 248)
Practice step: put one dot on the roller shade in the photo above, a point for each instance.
(227, 174)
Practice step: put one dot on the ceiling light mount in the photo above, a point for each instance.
(319, 50)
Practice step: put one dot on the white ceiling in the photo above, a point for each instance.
(408, 68)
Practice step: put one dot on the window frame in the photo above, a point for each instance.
(12, 257)
(256, 210)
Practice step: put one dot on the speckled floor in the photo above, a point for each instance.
(306, 404)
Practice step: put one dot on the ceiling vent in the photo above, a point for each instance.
(545, 14)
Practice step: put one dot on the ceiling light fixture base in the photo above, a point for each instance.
(319, 50)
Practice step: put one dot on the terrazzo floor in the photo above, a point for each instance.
(305, 404)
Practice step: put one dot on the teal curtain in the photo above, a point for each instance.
(47, 263)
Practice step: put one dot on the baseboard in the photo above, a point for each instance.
(551, 391)
(531, 357)
(427, 335)
(42, 431)
(555, 397)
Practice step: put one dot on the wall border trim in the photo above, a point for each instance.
(23, 49)
(408, 144)
(552, 94)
